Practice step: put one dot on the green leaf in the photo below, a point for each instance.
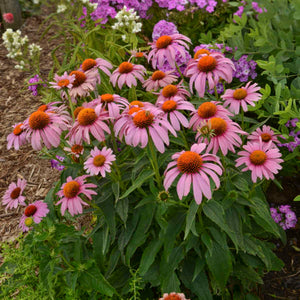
(297, 198)
(190, 218)
(149, 255)
(219, 263)
(141, 232)
(240, 183)
(93, 280)
(144, 175)
(122, 209)
(214, 211)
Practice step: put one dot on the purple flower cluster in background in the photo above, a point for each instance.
(244, 69)
(284, 216)
(255, 7)
(163, 28)
(168, 28)
(295, 134)
(34, 88)
(55, 164)
(109, 8)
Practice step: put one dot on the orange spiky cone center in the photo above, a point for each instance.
(207, 110)
(139, 54)
(239, 94)
(43, 108)
(71, 189)
(38, 120)
(88, 64)
(133, 110)
(107, 98)
(18, 130)
(163, 42)
(266, 137)
(87, 116)
(218, 125)
(207, 63)
(136, 102)
(77, 111)
(77, 149)
(30, 210)
(158, 75)
(169, 105)
(125, 67)
(189, 162)
(258, 157)
(99, 160)
(80, 78)
(143, 119)
(169, 90)
(63, 82)
(15, 193)
(201, 51)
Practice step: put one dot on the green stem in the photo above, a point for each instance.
(179, 71)
(155, 163)
(113, 138)
(71, 105)
(216, 93)
(182, 133)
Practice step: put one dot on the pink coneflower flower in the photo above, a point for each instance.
(137, 122)
(126, 73)
(137, 54)
(199, 52)
(173, 296)
(224, 135)
(266, 134)
(165, 47)
(158, 80)
(241, 97)
(100, 161)
(208, 110)
(13, 195)
(33, 214)
(75, 149)
(171, 111)
(46, 127)
(64, 81)
(90, 64)
(84, 83)
(261, 159)
(171, 90)
(70, 192)
(8, 18)
(17, 138)
(194, 169)
(113, 104)
(89, 120)
(210, 67)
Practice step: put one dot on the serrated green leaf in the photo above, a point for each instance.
(190, 218)
(143, 176)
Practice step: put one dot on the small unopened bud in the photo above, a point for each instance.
(28, 221)
(163, 196)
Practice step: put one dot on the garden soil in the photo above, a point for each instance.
(17, 103)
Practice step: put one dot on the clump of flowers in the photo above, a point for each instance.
(56, 163)
(19, 49)
(244, 69)
(294, 134)
(34, 87)
(127, 22)
(284, 216)
(163, 27)
(61, 8)
(8, 18)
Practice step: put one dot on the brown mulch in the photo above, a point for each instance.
(16, 104)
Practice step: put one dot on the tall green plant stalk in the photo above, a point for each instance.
(154, 163)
